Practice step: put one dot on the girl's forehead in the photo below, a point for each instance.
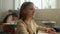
(30, 5)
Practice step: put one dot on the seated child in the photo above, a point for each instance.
(9, 20)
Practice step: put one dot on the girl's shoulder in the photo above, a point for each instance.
(19, 22)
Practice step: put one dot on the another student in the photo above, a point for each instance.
(8, 21)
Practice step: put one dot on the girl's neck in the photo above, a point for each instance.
(28, 20)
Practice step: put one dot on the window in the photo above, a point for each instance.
(39, 4)
(48, 4)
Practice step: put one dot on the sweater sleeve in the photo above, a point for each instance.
(39, 27)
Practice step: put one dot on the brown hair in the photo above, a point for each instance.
(13, 15)
(21, 14)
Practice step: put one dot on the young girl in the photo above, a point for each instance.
(26, 24)
(8, 21)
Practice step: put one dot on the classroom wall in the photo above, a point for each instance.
(58, 4)
(48, 15)
(5, 5)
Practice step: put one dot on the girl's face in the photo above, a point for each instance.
(29, 10)
(14, 18)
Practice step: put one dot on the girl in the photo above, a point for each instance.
(26, 24)
(8, 21)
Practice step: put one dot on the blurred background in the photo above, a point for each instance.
(46, 10)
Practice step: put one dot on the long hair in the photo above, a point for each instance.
(22, 15)
(13, 15)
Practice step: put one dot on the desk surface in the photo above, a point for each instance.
(41, 32)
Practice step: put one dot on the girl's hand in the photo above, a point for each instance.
(50, 31)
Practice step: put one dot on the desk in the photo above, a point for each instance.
(41, 32)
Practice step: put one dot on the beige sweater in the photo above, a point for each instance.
(22, 28)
